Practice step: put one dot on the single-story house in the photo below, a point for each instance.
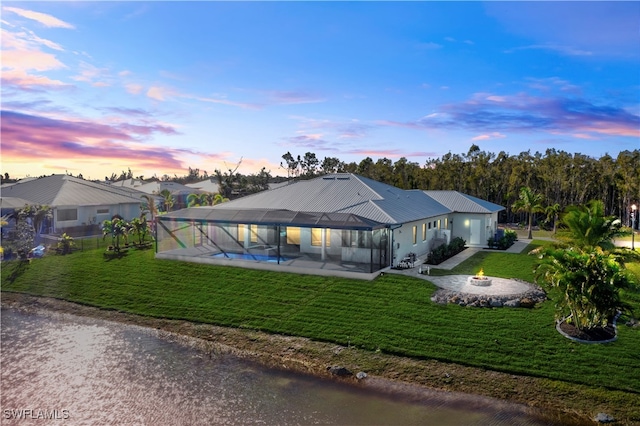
(178, 191)
(76, 203)
(341, 222)
(209, 185)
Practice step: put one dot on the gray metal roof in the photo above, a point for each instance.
(345, 193)
(174, 188)
(463, 203)
(64, 190)
(364, 199)
(13, 202)
(208, 185)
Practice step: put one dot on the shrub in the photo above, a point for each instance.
(504, 242)
(65, 244)
(445, 251)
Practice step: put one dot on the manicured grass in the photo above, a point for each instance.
(392, 314)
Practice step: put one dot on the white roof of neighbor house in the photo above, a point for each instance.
(128, 183)
(463, 203)
(173, 187)
(345, 193)
(208, 185)
(64, 190)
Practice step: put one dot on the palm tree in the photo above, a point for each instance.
(219, 198)
(140, 227)
(552, 212)
(168, 199)
(116, 228)
(149, 205)
(529, 202)
(589, 282)
(197, 200)
(193, 200)
(587, 226)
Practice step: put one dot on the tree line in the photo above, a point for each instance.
(562, 179)
(559, 177)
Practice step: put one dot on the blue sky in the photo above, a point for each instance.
(158, 87)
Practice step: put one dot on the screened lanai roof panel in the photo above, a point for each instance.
(272, 217)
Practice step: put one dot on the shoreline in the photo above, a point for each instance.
(386, 373)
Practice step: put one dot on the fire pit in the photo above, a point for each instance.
(479, 279)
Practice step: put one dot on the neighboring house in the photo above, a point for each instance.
(178, 191)
(334, 222)
(77, 204)
(209, 185)
(131, 183)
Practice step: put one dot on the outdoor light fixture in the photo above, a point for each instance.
(633, 225)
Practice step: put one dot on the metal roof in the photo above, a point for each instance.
(345, 193)
(64, 190)
(365, 199)
(272, 217)
(13, 202)
(209, 185)
(463, 203)
(174, 188)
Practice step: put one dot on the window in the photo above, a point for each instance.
(67, 214)
(429, 225)
(424, 232)
(103, 211)
(438, 223)
(241, 232)
(446, 222)
(316, 237)
(254, 233)
(293, 235)
(360, 239)
(415, 234)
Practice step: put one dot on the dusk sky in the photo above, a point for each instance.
(158, 87)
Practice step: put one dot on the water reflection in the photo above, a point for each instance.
(97, 372)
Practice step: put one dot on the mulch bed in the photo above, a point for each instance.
(595, 334)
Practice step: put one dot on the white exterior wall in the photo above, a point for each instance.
(474, 228)
(88, 215)
(403, 236)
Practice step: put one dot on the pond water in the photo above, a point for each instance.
(85, 371)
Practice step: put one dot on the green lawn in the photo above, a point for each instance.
(392, 313)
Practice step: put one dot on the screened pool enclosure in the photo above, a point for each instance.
(331, 241)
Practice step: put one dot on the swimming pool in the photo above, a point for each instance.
(247, 256)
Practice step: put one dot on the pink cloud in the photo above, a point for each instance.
(24, 80)
(294, 97)
(30, 60)
(35, 137)
(529, 114)
(493, 135)
(42, 18)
